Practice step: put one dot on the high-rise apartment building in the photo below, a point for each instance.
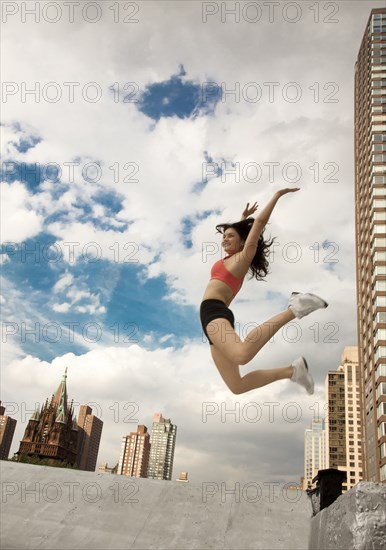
(163, 440)
(343, 422)
(314, 452)
(7, 429)
(89, 437)
(370, 223)
(135, 450)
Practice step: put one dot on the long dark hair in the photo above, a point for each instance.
(259, 265)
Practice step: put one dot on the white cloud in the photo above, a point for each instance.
(126, 386)
(65, 281)
(19, 220)
(165, 338)
(61, 308)
(80, 300)
(314, 133)
(90, 308)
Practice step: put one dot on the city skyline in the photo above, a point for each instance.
(135, 448)
(126, 322)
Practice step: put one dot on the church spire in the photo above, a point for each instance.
(36, 415)
(60, 400)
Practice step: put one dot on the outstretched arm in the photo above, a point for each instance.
(261, 221)
(265, 214)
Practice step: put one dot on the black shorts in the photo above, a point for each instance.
(214, 309)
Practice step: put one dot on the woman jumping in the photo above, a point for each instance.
(247, 250)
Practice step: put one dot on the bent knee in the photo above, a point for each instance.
(238, 355)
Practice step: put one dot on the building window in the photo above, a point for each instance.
(380, 334)
(383, 473)
(383, 450)
(379, 179)
(380, 286)
(382, 429)
(382, 407)
(379, 216)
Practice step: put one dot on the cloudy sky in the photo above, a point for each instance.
(129, 130)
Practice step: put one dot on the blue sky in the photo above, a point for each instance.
(177, 97)
(121, 214)
(135, 306)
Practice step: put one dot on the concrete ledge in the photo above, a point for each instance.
(356, 520)
(54, 508)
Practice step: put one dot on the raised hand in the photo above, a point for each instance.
(249, 210)
(282, 192)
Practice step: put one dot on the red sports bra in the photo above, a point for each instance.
(220, 272)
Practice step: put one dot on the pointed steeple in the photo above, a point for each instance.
(60, 400)
(36, 415)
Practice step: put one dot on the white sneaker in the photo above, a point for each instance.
(303, 304)
(301, 375)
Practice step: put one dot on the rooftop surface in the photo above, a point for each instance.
(57, 508)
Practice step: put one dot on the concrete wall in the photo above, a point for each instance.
(52, 508)
(355, 521)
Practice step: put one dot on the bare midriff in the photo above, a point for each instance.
(217, 290)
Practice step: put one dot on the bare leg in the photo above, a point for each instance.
(230, 373)
(233, 349)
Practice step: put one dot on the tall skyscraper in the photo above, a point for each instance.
(89, 436)
(7, 429)
(314, 452)
(343, 422)
(163, 440)
(370, 218)
(135, 450)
